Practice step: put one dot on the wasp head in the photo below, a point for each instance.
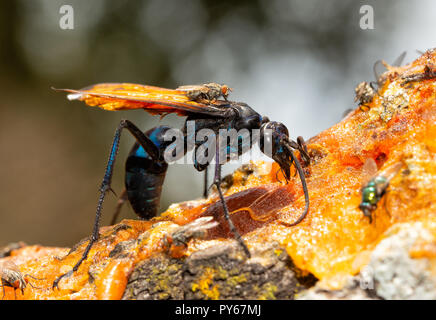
(274, 142)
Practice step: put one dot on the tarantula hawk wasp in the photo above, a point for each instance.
(146, 166)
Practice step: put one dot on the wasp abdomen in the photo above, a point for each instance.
(144, 190)
(144, 178)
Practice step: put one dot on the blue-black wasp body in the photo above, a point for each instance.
(145, 175)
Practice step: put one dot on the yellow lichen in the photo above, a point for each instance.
(268, 291)
(204, 284)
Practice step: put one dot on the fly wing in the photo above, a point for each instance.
(369, 170)
(389, 173)
(155, 100)
(9, 265)
(202, 224)
(195, 229)
(8, 270)
(381, 67)
(392, 170)
(399, 61)
(191, 87)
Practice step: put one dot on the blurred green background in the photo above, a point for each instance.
(295, 61)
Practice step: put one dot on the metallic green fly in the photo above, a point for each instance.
(375, 186)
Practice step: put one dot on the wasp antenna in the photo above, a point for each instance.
(303, 182)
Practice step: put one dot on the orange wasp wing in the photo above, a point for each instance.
(155, 100)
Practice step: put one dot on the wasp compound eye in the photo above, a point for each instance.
(272, 142)
(271, 135)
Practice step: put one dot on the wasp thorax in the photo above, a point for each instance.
(247, 118)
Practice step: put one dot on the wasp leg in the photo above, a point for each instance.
(306, 192)
(206, 183)
(217, 183)
(301, 146)
(121, 200)
(148, 146)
